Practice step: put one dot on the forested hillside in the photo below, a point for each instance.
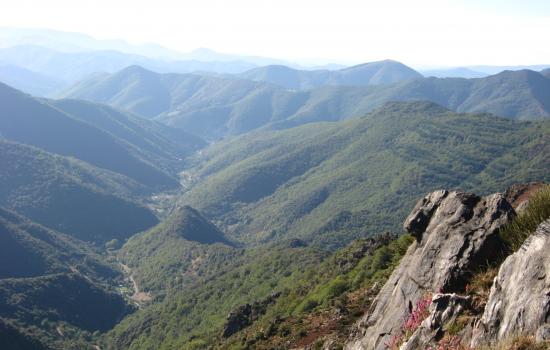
(215, 107)
(331, 182)
(34, 122)
(69, 195)
(52, 285)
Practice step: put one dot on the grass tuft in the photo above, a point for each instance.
(537, 211)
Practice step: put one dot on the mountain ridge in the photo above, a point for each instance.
(216, 107)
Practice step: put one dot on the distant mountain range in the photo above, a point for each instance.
(31, 82)
(214, 107)
(69, 67)
(77, 42)
(460, 72)
(374, 73)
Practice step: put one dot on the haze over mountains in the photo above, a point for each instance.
(214, 107)
(156, 200)
(374, 73)
(43, 62)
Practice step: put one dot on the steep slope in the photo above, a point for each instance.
(157, 143)
(214, 107)
(12, 338)
(52, 284)
(185, 241)
(454, 232)
(194, 316)
(28, 81)
(373, 73)
(71, 196)
(332, 182)
(414, 292)
(511, 310)
(31, 250)
(493, 94)
(27, 120)
(546, 72)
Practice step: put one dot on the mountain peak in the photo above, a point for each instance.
(135, 69)
(186, 222)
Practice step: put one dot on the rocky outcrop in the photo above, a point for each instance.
(454, 231)
(444, 309)
(519, 301)
(246, 314)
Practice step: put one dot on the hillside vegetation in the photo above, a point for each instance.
(182, 247)
(158, 144)
(70, 196)
(330, 182)
(54, 289)
(34, 122)
(215, 107)
(293, 280)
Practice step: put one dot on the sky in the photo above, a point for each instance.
(416, 32)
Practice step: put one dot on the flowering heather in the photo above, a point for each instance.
(418, 314)
(451, 343)
(411, 322)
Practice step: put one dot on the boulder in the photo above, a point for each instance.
(519, 300)
(246, 314)
(454, 232)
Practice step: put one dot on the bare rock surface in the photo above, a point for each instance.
(444, 309)
(454, 232)
(519, 301)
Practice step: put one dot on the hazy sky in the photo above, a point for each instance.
(431, 32)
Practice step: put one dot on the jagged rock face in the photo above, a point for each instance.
(244, 315)
(519, 301)
(443, 310)
(454, 231)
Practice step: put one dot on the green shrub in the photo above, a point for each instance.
(537, 210)
(307, 305)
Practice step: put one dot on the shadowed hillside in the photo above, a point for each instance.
(70, 196)
(30, 121)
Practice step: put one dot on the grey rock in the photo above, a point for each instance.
(454, 231)
(245, 315)
(543, 333)
(519, 300)
(444, 309)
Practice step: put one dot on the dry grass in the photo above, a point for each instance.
(537, 211)
(520, 343)
(480, 286)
